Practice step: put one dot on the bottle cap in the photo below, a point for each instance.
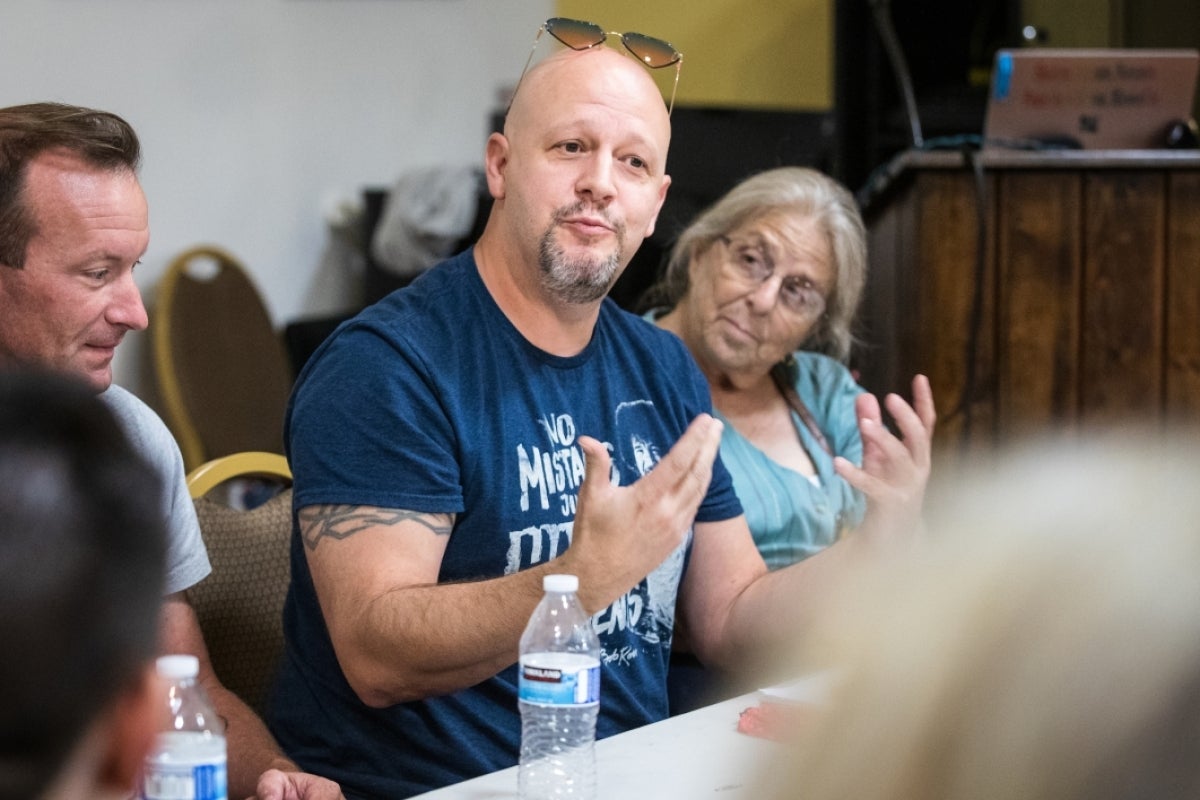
(560, 583)
(176, 667)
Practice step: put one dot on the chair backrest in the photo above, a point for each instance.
(240, 605)
(222, 369)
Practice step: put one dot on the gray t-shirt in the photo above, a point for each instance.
(187, 560)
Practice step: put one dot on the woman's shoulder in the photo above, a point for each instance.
(820, 366)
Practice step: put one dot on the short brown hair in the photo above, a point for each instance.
(100, 138)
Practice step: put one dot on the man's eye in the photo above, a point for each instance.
(572, 147)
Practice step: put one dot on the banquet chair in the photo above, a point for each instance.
(240, 604)
(222, 370)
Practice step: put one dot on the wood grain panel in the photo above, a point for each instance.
(1092, 290)
(944, 288)
(1183, 298)
(1038, 242)
(1124, 275)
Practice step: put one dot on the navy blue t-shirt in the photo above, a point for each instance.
(432, 401)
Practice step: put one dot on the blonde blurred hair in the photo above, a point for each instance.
(1044, 646)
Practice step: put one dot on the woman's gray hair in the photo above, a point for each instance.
(806, 193)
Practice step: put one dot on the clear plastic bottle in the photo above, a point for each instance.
(559, 695)
(187, 761)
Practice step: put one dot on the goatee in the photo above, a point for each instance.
(582, 280)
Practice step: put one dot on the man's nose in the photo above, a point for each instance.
(127, 309)
(597, 178)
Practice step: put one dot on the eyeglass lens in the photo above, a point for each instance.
(579, 35)
(752, 268)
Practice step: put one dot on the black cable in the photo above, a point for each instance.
(975, 321)
(881, 11)
(882, 176)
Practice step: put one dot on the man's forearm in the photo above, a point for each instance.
(251, 748)
(399, 636)
(419, 641)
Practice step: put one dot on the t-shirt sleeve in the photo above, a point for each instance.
(187, 558)
(361, 434)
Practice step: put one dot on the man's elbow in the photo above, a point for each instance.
(381, 685)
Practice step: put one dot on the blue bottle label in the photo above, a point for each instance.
(185, 782)
(559, 679)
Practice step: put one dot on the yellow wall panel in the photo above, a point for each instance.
(766, 54)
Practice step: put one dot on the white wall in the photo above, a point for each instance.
(257, 116)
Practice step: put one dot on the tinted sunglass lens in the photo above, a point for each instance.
(654, 53)
(575, 34)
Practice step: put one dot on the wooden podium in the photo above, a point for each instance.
(1038, 290)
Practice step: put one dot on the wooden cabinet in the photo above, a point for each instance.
(1040, 291)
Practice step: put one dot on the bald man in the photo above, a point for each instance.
(497, 421)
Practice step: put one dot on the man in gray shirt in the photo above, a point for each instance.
(73, 225)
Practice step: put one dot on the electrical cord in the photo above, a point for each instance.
(881, 10)
(975, 321)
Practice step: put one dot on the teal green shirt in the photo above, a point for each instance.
(790, 517)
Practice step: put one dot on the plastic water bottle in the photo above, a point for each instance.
(187, 761)
(559, 694)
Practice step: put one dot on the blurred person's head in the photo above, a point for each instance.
(1045, 647)
(81, 580)
(73, 224)
(778, 264)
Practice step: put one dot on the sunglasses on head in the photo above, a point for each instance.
(579, 35)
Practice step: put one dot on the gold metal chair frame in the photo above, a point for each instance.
(204, 478)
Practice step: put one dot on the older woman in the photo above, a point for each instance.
(763, 288)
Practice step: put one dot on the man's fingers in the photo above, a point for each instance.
(688, 465)
(685, 470)
(597, 463)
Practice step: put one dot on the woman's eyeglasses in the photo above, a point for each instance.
(579, 35)
(749, 267)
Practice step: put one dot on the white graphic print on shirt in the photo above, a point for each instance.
(550, 474)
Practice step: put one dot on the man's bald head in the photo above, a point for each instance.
(601, 76)
(579, 174)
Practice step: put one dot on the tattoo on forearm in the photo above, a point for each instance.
(341, 522)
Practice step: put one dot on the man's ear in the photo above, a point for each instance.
(133, 722)
(495, 162)
(662, 197)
